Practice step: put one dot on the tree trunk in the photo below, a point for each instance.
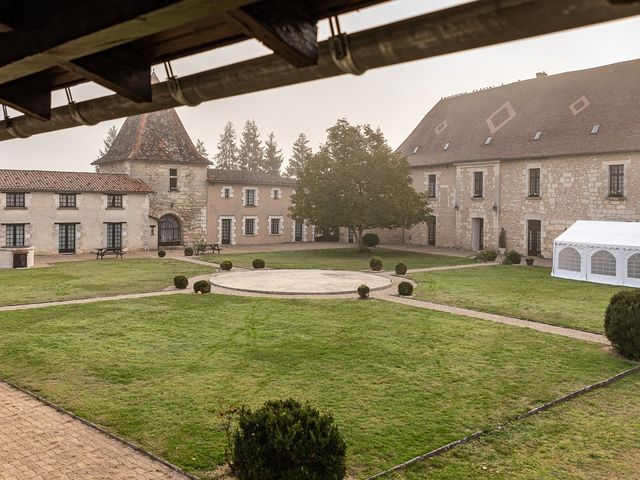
(359, 236)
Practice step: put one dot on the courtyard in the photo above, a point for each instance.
(399, 380)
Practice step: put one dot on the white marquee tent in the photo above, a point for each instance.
(602, 252)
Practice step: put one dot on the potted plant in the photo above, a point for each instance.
(363, 291)
(502, 241)
(529, 261)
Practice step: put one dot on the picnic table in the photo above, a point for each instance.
(201, 249)
(101, 252)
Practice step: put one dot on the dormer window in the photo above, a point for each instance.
(415, 150)
(488, 140)
(595, 129)
(446, 146)
(537, 135)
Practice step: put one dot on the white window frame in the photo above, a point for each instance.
(256, 196)
(224, 189)
(256, 225)
(280, 219)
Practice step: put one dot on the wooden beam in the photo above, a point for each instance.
(287, 28)
(121, 69)
(87, 27)
(27, 96)
(4, 27)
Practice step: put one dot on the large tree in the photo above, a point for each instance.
(301, 153)
(112, 133)
(251, 153)
(227, 156)
(356, 180)
(272, 155)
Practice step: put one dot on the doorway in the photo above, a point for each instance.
(534, 238)
(477, 234)
(169, 231)
(225, 232)
(67, 238)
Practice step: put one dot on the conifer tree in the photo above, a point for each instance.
(112, 133)
(202, 150)
(301, 153)
(272, 155)
(251, 154)
(227, 156)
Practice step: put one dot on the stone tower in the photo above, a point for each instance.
(156, 148)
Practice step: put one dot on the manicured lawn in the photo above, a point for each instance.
(339, 259)
(399, 380)
(73, 280)
(595, 436)
(523, 292)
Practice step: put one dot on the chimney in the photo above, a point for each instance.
(541, 74)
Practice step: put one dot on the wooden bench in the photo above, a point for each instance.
(101, 252)
(202, 249)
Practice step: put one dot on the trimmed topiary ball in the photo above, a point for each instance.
(226, 265)
(401, 269)
(202, 286)
(487, 256)
(512, 258)
(405, 289)
(363, 291)
(162, 253)
(258, 263)
(188, 252)
(376, 264)
(180, 281)
(622, 323)
(370, 240)
(286, 440)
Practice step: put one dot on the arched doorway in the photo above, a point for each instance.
(169, 231)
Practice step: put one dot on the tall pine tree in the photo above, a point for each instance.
(301, 153)
(227, 156)
(202, 150)
(251, 154)
(272, 155)
(112, 133)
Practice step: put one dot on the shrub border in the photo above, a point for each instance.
(534, 411)
(102, 430)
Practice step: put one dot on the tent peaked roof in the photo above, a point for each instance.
(605, 234)
(153, 137)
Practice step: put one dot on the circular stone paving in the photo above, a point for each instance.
(299, 281)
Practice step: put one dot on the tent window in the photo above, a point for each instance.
(603, 263)
(569, 259)
(633, 266)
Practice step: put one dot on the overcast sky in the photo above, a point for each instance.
(394, 98)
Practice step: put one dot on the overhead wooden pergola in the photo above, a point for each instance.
(47, 46)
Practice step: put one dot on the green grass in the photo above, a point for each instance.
(595, 436)
(75, 280)
(530, 293)
(339, 259)
(399, 380)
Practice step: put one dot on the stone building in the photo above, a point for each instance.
(531, 157)
(47, 213)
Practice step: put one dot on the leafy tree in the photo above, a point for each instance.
(251, 153)
(272, 155)
(202, 150)
(227, 156)
(301, 153)
(357, 181)
(112, 133)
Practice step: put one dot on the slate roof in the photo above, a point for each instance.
(563, 107)
(48, 181)
(246, 177)
(153, 137)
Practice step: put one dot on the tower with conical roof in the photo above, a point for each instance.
(156, 148)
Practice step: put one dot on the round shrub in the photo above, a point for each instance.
(512, 258)
(376, 264)
(487, 256)
(188, 252)
(162, 253)
(286, 440)
(622, 323)
(401, 269)
(226, 265)
(370, 240)
(258, 263)
(405, 289)
(363, 291)
(180, 281)
(202, 286)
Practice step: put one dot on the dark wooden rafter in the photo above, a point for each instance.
(27, 96)
(4, 26)
(287, 28)
(122, 69)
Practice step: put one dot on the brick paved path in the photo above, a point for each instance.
(38, 442)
